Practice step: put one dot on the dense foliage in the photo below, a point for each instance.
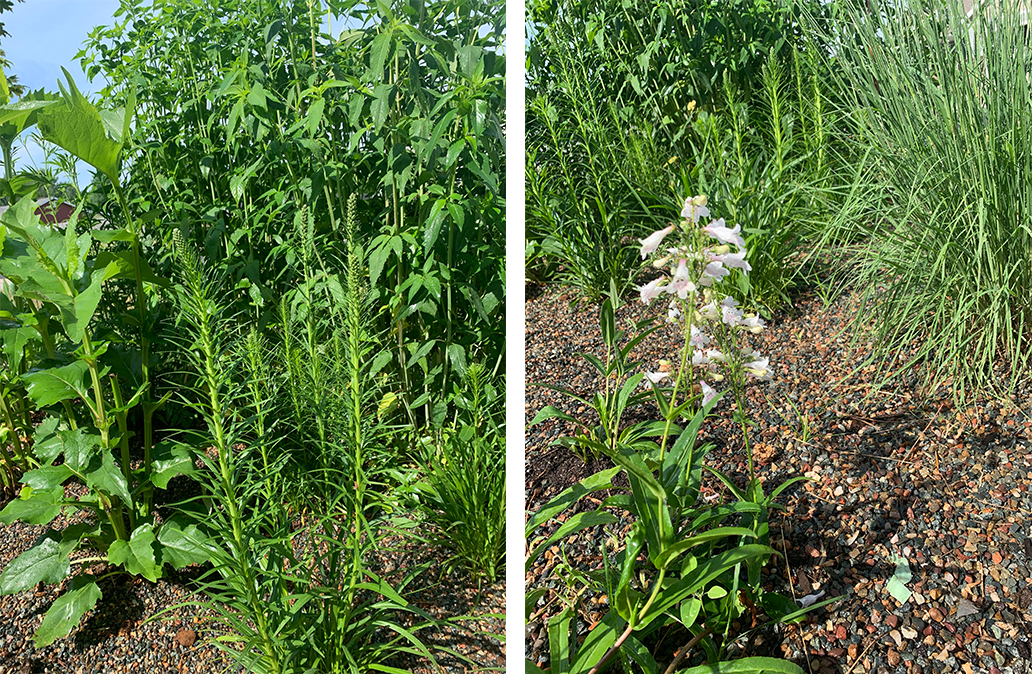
(283, 283)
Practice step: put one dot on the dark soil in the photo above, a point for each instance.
(896, 471)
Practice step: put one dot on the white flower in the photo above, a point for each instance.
(716, 356)
(680, 283)
(695, 208)
(759, 368)
(710, 312)
(715, 270)
(719, 231)
(652, 378)
(699, 359)
(699, 338)
(652, 241)
(651, 290)
(753, 324)
(731, 315)
(736, 260)
(708, 393)
(673, 313)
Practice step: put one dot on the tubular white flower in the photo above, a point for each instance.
(759, 368)
(753, 324)
(680, 284)
(650, 243)
(736, 260)
(708, 393)
(653, 378)
(719, 231)
(699, 338)
(695, 208)
(651, 290)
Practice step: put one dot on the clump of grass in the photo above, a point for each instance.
(943, 106)
(464, 491)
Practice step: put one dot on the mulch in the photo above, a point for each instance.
(946, 485)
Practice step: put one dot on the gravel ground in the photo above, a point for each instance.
(114, 637)
(948, 487)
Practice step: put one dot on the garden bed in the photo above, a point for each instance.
(948, 487)
(116, 636)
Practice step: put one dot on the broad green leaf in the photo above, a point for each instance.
(168, 460)
(378, 54)
(105, 476)
(754, 665)
(79, 447)
(700, 577)
(433, 224)
(315, 114)
(46, 443)
(457, 356)
(45, 562)
(84, 306)
(531, 668)
(137, 556)
(381, 104)
(34, 507)
(76, 125)
(182, 546)
(66, 612)
(598, 641)
(51, 386)
(672, 552)
(124, 267)
(559, 641)
(46, 478)
(689, 611)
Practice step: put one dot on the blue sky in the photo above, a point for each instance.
(45, 35)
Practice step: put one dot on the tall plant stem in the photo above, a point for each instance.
(15, 440)
(141, 304)
(657, 586)
(42, 322)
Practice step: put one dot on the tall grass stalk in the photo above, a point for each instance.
(944, 105)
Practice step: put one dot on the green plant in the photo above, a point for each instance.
(252, 111)
(92, 377)
(942, 104)
(694, 561)
(298, 598)
(464, 490)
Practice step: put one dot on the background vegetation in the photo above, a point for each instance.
(282, 285)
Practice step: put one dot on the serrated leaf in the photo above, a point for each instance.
(51, 386)
(105, 476)
(182, 546)
(45, 562)
(38, 507)
(75, 125)
(79, 448)
(66, 612)
(381, 104)
(137, 556)
(168, 460)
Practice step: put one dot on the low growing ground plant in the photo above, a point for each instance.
(702, 560)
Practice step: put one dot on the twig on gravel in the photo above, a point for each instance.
(860, 657)
(687, 649)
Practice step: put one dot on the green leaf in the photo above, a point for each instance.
(46, 443)
(66, 612)
(168, 460)
(34, 507)
(79, 448)
(457, 356)
(598, 641)
(559, 641)
(596, 482)
(84, 306)
(45, 562)
(182, 546)
(754, 665)
(47, 477)
(315, 114)
(105, 476)
(897, 585)
(433, 224)
(378, 54)
(76, 125)
(51, 386)
(689, 611)
(381, 104)
(580, 521)
(137, 556)
(672, 552)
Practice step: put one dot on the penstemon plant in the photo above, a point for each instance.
(694, 561)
